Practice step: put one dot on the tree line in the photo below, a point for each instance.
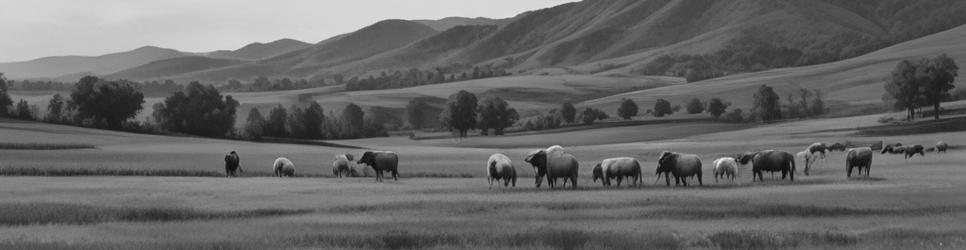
(416, 77)
(921, 83)
(311, 122)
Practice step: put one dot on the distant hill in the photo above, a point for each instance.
(621, 37)
(172, 67)
(258, 51)
(366, 42)
(450, 22)
(617, 37)
(52, 67)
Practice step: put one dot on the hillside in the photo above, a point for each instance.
(450, 22)
(854, 84)
(51, 67)
(171, 67)
(258, 51)
(366, 42)
(619, 37)
(607, 37)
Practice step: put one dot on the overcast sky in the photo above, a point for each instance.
(38, 28)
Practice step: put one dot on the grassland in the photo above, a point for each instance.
(914, 203)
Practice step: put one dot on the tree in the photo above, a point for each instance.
(5, 101)
(55, 109)
(569, 112)
(354, 121)
(496, 114)
(23, 110)
(661, 108)
(275, 126)
(255, 125)
(460, 112)
(295, 122)
(627, 109)
(695, 106)
(717, 107)
(312, 120)
(199, 110)
(941, 73)
(590, 115)
(110, 102)
(414, 113)
(676, 108)
(817, 106)
(902, 90)
(766, 104)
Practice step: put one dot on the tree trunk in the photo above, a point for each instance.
(935, 110)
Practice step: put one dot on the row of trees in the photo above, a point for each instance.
(921, 83)
(464, 112)
(311, 122)
(416, 77)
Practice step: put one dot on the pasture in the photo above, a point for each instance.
(915, 203)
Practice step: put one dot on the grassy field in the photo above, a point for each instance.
(916, 203)
(848, 85)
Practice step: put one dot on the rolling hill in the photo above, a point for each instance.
(618, 37)
(162, 69)
(451, 22)
(258, 51)
(855, 83)
(53, 67)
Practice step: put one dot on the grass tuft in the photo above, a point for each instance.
(16, 214)
(783, 210)
(64, 172)
(43, 146)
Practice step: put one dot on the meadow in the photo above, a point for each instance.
(122, 191)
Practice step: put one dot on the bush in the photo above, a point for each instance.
(627, 109)
(661, 108)
(695, 106)
(735, 116)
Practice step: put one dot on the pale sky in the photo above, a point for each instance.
(37, 28)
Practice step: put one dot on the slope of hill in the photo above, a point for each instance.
(854, 84)
(366, 42)
(258, 51)
(171, 67)
(619, 37)
(450, 22)
(50, 67)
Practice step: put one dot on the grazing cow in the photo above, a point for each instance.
(499, 167)
(912, 150)
(679, 165)
(283, 167)
(893, 149)
(618, 168)
(381, 161)
(725, 167)
(808, 158)
(554, 163)
(340, 166)
(837, 147)
(771, 161)
(941, 147)
(232, 163)
(858, 158)
(818, 147)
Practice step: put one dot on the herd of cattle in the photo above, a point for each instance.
(554, 164)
